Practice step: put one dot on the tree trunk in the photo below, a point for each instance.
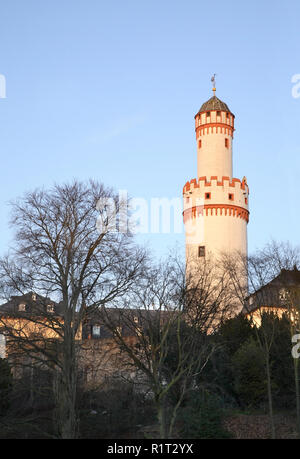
(65, 391)
(161, 415)
(270, 400)
(296, 373)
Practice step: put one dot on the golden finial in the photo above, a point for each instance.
(213, 80)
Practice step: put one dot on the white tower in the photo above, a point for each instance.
(215, 204)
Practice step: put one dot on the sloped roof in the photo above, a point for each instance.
(34, 304)
(214, 104)
(268, 295)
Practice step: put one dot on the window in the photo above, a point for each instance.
(226, 143)
(33, 297)
(218, 113)
(22, 307)
(283, 294)
(50, 308)
(231, 197)
(200, 143)
(227, 115)
(207, 114)
(201, 251)
(96, 331)
(136, 319)
(207, 195)
(246, 201)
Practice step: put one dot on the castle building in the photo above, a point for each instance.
(216, 205)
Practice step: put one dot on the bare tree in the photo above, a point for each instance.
(69, 247)
(170, 315)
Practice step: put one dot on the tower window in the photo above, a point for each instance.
(246, 201)
(207, 195)
(231, 197)
(227, 115)
(200, 143)
(218, 113)
(207, 114)
(201, 251)
(226, 143)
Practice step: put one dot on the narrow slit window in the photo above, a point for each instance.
(231, 197)
(201, 251)
(207, 195)
(226, 143)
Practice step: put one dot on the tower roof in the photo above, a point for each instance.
(214, 104)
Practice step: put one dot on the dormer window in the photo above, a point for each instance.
(50, 308)
(283, 294)
(22, 307)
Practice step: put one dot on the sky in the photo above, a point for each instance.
(108, 90)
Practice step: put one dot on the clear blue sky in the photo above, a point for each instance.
(109, 90)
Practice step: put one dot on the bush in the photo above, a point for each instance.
(249, 375)
(113, 412)
(202, 417)
(5, 385)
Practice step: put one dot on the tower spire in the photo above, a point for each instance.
(213, 80)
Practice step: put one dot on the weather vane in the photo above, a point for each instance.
(213, 80)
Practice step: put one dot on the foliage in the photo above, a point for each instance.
(5, 385)
(249, 374)
(113, 412)
(202, 417)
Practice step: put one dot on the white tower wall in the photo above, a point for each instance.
(216, 209)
